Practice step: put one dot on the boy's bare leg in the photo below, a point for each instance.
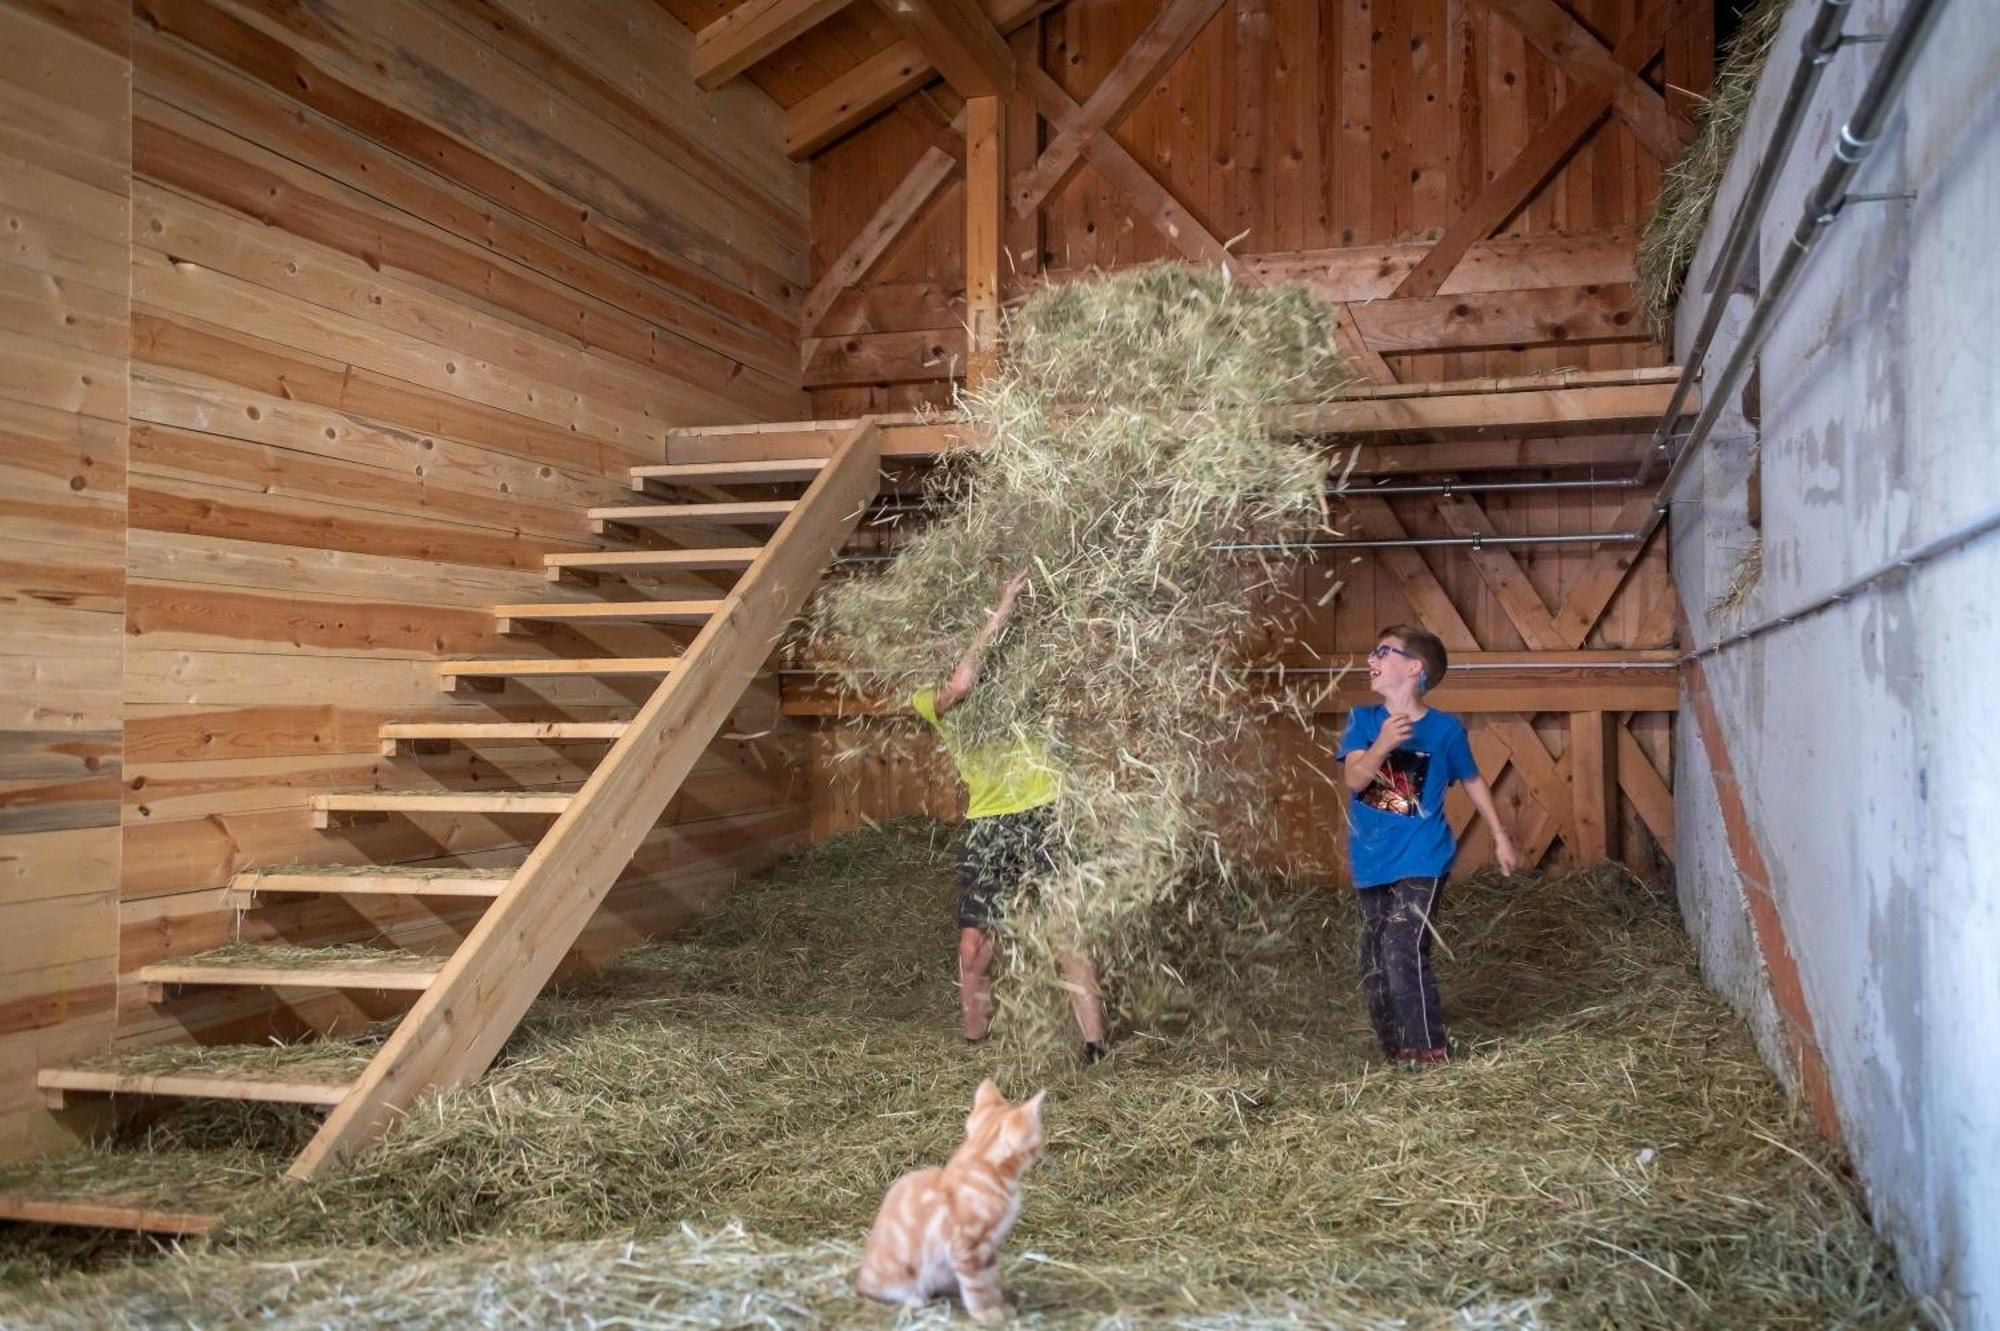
(975, 981)
(1085, 998)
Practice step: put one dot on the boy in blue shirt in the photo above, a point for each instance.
(1399, 759)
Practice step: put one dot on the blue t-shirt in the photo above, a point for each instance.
(1396, 827)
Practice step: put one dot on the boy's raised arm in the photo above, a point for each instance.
(965, 675)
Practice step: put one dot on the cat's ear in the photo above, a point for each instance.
(987, 1094)
(1033, 1107)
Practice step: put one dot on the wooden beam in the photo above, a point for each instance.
(924, 355)
(1149, 199)
(1142, 66)
(1589, 62)
(751, 31)
(453, 1032)
(985, 185)
(1547, 411)
(1353, 274)
(921, 113)
(903, 205)
(961, 42)
(1544, 775)
(1508, 192)
(1489, 755)
(1593, 772)
(122, 1211)
(858, 96)
(1544, 316)
(1501, 263)
(1365, 359)
(1584, 402)
(1375, 520)
(1550, 317)
(846, 103)
(1643, 785)
(1502, 574)
(1591, 594)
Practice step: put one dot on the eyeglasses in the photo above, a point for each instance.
(1384, 649)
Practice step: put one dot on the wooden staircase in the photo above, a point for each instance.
(470, 1002)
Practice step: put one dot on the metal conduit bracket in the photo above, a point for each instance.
(1850, 149)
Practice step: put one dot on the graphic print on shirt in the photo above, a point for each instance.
(1399, 786)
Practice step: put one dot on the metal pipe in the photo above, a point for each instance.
(1900, 567)
(1399, 543)
(1440, 488)
(1857, 138)
(1485, 487)
(1457, 667)
(1822, 39)
(1431, 542)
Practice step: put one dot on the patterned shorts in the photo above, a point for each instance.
(995, 855)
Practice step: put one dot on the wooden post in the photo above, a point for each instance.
(1593, 775)
(985, 189)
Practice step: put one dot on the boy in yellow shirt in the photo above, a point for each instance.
(1008, 837)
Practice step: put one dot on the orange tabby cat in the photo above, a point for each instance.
(941, 1229)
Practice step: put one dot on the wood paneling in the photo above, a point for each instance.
(1521, 694)
(319, 327)
(65, 134)
(1303, 125)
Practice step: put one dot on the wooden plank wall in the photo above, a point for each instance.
(1300, 126)
(887, 767)
(1288, 126)
(410, 285)
(65, 134)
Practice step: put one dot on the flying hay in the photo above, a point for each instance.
(1129, 432)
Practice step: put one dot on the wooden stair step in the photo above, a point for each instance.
(605, 612)
(663, 515)
(394, 970)
(592, 563)
(399, 733)
(112, 1211)
(763, 471)
(326, 807)
(387, 882)
(460, 675)
(57, 1082)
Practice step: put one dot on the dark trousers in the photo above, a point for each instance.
(1397, 924)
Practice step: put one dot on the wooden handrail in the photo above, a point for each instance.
(457, 1028)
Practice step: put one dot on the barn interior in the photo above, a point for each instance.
(440, 888)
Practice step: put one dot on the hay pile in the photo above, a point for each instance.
(1688, 189)
(1130, 433)
(699, 1137)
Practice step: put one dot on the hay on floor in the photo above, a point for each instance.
(698, 1138)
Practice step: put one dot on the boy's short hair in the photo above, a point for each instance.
(1426, 646)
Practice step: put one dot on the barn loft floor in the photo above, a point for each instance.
(699, 1137)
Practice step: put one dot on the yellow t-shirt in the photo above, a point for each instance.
(999, 778)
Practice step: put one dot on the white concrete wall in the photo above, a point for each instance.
(1867, 739)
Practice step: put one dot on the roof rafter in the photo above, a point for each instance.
(751, 31)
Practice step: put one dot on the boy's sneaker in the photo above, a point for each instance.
(1094, 1051)
(1423, 1058)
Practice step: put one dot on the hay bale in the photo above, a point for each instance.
(1688, 187)
(1130, 433)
